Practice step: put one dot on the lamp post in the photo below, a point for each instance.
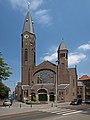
(30, 100)
(56, 83)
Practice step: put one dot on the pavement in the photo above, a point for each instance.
(22, 108)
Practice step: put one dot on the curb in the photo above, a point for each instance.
(17, 114)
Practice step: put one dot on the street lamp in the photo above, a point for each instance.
(30, 97)
(30, 100)
(56, 82)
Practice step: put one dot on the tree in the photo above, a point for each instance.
(4, 69)
(4, 75)
(4, 90)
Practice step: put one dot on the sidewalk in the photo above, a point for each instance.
(20, 108)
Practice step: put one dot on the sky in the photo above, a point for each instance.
(53, 20)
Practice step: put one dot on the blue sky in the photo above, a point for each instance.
(53, 20)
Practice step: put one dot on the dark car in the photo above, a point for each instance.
(87, 101)
(76, 101)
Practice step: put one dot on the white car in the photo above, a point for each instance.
(7, 103)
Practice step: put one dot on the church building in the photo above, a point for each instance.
(47, 81)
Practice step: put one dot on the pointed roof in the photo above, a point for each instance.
(62, 45)
(28, 24)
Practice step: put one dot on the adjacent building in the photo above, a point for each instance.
(83, 89)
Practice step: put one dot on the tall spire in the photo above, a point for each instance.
(28, 24)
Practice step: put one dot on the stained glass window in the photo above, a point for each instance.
(45, 76)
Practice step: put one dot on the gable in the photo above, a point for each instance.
(45, 65)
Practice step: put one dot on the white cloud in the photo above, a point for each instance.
(18, 4)
(23, 4)
(85, 47)
(75, 58)
(51, 57)
(42, 16)
(35, 4)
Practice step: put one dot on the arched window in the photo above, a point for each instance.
(26, 54)
(45, 76)
(73, 83)
(62, 55)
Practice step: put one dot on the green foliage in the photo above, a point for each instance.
(4, 75)
(4, 69)
(3, 91)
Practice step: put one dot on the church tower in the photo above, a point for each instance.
(63, 55)
(63, 64)
(28, 50)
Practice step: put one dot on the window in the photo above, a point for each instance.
(45, 76)
(73, 94)
(62, 55)
(34, 58)
(80, 91)
(73, 82)
(59, 93)
(38, 79)
(66, 56)
(26, 55)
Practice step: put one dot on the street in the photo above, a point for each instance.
(48, 116)
(65, 112)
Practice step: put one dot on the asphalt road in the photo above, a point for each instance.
(81, 112)
(49, 116)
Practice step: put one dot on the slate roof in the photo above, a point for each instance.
(28, 24)
(62, 46)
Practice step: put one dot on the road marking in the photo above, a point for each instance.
(72, 113)
(55, 111)
(65, 111)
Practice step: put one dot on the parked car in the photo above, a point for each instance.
(76, 101)
(87, 101)
(7, 103)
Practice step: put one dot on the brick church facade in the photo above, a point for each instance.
(44, 81)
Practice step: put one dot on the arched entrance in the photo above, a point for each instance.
(51, 96)
(42, 95)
